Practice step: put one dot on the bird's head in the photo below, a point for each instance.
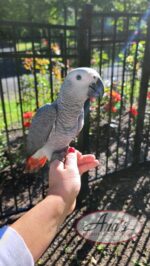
(83, 83)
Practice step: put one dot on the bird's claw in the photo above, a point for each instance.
(60, 155)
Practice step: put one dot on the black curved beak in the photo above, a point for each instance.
(96, 89)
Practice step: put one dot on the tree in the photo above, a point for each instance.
(53, 10)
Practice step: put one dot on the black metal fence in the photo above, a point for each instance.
(34, 59)
(118, 126)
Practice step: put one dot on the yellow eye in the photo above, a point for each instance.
(78, 77)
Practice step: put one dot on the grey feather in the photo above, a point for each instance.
(41, 127)
(81, 121)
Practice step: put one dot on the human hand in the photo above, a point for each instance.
(64, 178)
(86, 162)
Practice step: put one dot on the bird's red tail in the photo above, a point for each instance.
(34, 164)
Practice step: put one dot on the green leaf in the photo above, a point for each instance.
(100, 248)
(118, 105)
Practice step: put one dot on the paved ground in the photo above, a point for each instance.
(131, 193)
(10, 88)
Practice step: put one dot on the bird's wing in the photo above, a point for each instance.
(80, 121)
(41, 127)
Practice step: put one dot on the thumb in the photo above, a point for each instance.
(71, 159)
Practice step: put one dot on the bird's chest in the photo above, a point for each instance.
(62, 136)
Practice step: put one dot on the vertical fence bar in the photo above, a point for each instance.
(76, 12)
(4, 113)
(142, 97)
(98, 116)
(131, 103)
(111, 88)
(65, 50)
(122, 94)
(65, 15)
(84, 58)
(63, 47)
(18, 78)
(51, 67)
(34, 68)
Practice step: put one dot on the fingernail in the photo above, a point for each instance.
(71, 149)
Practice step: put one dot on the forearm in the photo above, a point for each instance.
(39, 226)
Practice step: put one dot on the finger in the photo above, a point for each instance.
(89, 155)
(71, 160)
(88, 166)
(56, 165)
(79, 154)
(86, 158)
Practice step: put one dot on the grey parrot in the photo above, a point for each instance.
(55, 125)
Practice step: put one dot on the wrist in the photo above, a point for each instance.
(63, 206)
(59, 202)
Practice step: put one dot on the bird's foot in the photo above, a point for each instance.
(60, 155)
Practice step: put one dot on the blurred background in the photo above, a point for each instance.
(52, 11)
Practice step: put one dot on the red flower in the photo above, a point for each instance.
(113, 109)
(116, 97)
(148, 95)
(28, 115)
(26, 124)
(133, 111)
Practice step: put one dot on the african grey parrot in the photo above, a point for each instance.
(55, 125)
